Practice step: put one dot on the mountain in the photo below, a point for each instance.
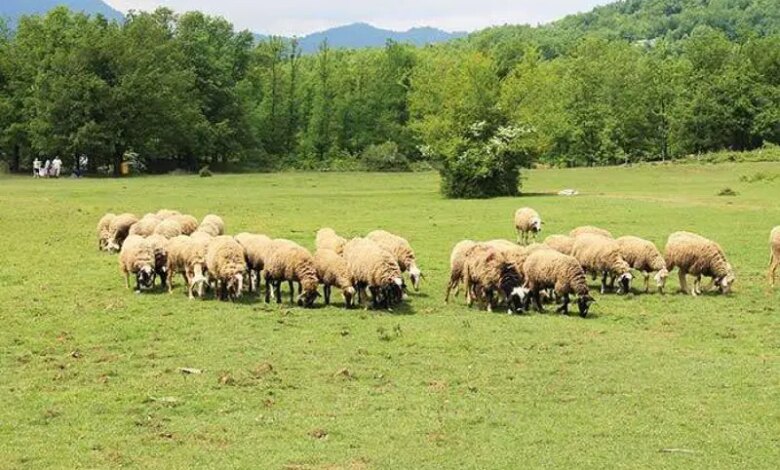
(360, 35)
(12, 10)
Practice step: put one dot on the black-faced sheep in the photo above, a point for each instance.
(643, 256)
(328, 239)
(774, 254)
(159, 246)
(226, 266)
(118, 230)
(403, 252)
(487, 272)
(376, 269)
(527, 223)
(292, 263)
(137, 257)
(553, 270)
(332, 270)
(695, 255)
(104, 231)
(600, 255)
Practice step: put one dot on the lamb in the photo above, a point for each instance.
(213, 225)
(159, 246)
(403, 252)
(145, 227)
(118, 231)
(187, 256)
(374, 268)
(256, 249)
(560, 243)
(457, 260)
(549, 269)
(487, 272)
(643, 256)
(527, 222)
(328, 239)
(774, 253)
(167, 213)
(292, 263)
(600, 255)
(698, 256)
(226, 266)
(137, 257)
(104, 230)
(590, 230)
(332, 270)
(169, 228)
(188, 223)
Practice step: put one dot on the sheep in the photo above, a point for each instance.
(527, 221)
(169, 228)
(328, 239)
(292, 263)
(590, 230)
(118, 231)
(601, 255)
(403, 252)
(374, 268)
(549, 269)
(104, 230)
(774, 254)
(202, 236)
(560, 243)
(487, 271)
(256, 249)
(145, 227)
(514, 253)
(137, 257)
(187, 256)
(643, 256)
(213, 224)
(188, 223)
(698, 256)
(332, 270)
(457, 259)
(159, 246)
(226, 266)
(167, 213)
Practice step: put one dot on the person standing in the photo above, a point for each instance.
(56, 166)
(46, 169)
(36, 168)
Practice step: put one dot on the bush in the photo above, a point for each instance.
(727, 192)
(4, 168)
(205, 172)
(384, 157)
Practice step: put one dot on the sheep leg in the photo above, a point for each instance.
(604, 283)
(519, 237)
(278, 291)
(564, 309)
(683, 282)
(647, 283)
(489, 300)
(326, 291)
(127, 279)
(138, 282)
(268, 290)
(775, 262)
(697, 285)
(374, 297)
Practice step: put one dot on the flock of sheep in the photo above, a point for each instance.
(494, 273)
(167, 243)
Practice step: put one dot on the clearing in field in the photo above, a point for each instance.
(92, 374)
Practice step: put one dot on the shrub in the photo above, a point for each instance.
(4, 168)
(727, 192)
(758, 177)
(205, 172)
(384, 157)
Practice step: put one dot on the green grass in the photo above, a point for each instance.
(90, 370)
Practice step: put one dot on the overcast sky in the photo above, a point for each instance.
(301, 17)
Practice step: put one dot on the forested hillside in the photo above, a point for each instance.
(636, 80)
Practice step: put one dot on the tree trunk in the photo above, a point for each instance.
(17, 157)
(118, 163)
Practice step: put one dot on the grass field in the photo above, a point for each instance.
(90, 371)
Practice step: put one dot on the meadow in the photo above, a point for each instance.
(90, 373)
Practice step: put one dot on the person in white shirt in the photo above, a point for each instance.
(36, 168)
(46, 169)
(56, 166)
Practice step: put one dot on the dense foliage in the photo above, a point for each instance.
(635, 80)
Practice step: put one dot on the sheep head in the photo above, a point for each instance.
(307, 298)
(349, 295)
(145, 277)
(625, 282)
(724, 283)
(536, 225)
(583, 303)
(416, 276)
(235, 286)
(660, 279)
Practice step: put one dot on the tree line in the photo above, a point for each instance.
(183, 91)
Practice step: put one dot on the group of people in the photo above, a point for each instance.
(49, 169)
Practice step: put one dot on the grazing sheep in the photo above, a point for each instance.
(256, 249)
(487, 272)
(118, 230)
(560, 243)
(202, 236)
(643, 256)
(402, 250)
(137, 257)
(374, 268)
(213, 224)
(549, 269)
(159, 246)
(332, 270)
(457, 260)
(774, 254)
(514, 253)
(698, 256)
(188, 257)
(291, 263)
(600, 255)
(167, 213)
(104, 230)
(328, 239)
(527, 222)
(188, 223)
(169, 228)
(590, 230)
(226, 266)
(145, 227)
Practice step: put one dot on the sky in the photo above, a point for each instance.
(302, 17)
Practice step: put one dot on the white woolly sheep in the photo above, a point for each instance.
(590, 230)
(403, 252)
(560, 243)
(213, 224)
(167, 213)
(600, 255)
(118, 230)
(292, 263)
(226, 266)
(376, 269)
(188, 223)
(487, 272)
(695, 255)
(159, 246)
(188, 257)
(774, 253)
(137, 257)
(457, 260)
(645, 257)
(328, 239)
(168, 228)
(527, 222)
(332, 270)
(104, 230)
(145, 227)
(256, 249)
(549, 269)
(202, 236)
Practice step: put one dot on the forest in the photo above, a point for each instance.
(637, 80)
